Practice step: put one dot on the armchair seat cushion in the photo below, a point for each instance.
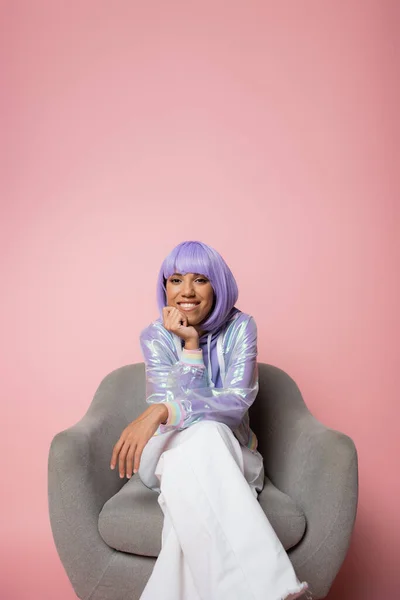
(131, 520)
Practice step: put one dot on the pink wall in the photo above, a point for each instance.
(266, 129)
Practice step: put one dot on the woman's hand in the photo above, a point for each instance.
(176, 321)
(134, 437)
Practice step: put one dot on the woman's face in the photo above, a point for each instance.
(192, 294)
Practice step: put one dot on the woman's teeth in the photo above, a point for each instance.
(188, 307)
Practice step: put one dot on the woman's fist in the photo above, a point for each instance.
(176, 321)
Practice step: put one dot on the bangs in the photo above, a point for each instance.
(189, 258)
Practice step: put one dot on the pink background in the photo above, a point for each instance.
(266, 129)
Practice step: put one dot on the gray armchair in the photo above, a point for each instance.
(107, 530)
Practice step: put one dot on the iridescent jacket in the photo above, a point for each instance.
(179, 377)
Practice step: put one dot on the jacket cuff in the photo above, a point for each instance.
(176, 415)
(193, 357)
(252, 442)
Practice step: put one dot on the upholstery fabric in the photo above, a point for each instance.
(132, 520)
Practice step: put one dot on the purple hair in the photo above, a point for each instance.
(197, 257)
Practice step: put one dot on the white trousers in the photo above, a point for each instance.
(217, 543)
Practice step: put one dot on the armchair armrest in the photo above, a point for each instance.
(321, 475)
(80, 480)
(317, 467)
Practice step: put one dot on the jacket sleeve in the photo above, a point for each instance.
(185, 386)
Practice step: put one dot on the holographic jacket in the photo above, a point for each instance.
(179, 377)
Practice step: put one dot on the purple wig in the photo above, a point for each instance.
(196, 257)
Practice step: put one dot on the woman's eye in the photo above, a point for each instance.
(198, 279)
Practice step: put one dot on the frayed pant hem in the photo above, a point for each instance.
(297, 594)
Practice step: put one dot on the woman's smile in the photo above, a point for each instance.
(188, 307)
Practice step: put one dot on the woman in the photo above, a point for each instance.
(193, 444)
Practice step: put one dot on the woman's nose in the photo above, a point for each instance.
(188, 289)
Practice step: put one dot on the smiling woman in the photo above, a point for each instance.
(182, 273)
(194, 446)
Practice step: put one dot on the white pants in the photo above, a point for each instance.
(217, 543)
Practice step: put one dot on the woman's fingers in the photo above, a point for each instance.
(170, 322)
(167, 310)
(166, 322)
(175, 320)
(180, 315)
(128, 454)
(124, 451)
(115, 452)
(129, 460)
(122, 458)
